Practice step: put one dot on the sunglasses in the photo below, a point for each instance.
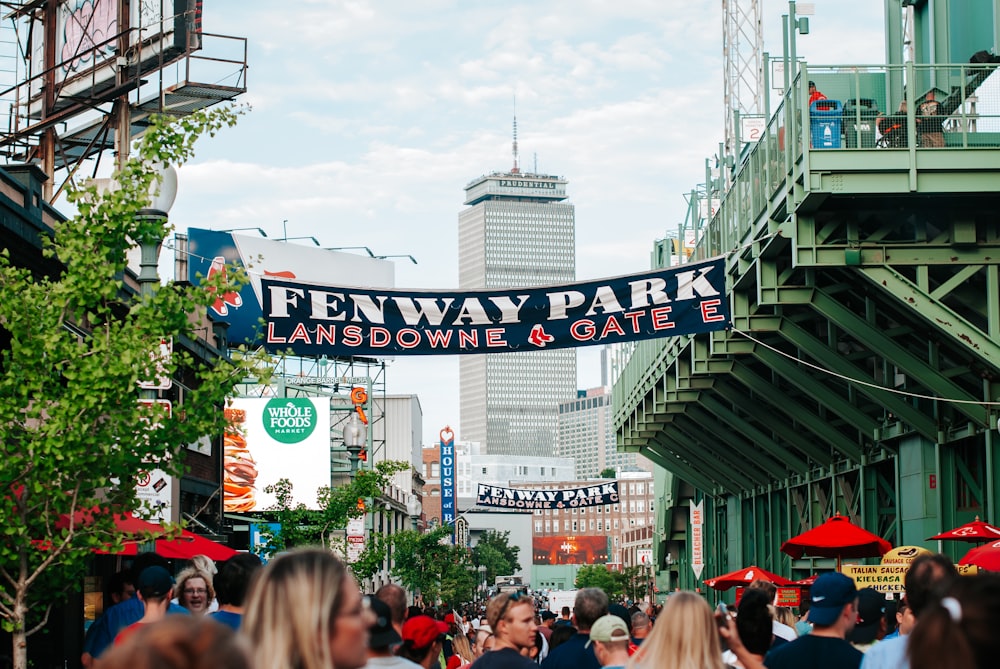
(513, 597)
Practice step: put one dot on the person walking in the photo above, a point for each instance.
(590, 604)
(684, 635)
(511, 616)
(610, 639)
(231, 586)
(833, 613)
(383, 639)
(305, 611)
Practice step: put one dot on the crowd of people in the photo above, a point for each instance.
(304, 610)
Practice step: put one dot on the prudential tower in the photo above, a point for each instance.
(516, 231)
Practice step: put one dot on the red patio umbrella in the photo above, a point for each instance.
(190, 544)
(744, 576)
(985, 557)
(838, 538)
(975, 532)
(807, 581)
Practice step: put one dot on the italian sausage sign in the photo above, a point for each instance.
(315, 319)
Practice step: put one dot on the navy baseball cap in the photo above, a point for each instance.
(828, 596)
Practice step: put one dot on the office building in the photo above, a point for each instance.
(586, 434)
(515, 232)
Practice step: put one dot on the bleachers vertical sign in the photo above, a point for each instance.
(448, 505)
(697, 547)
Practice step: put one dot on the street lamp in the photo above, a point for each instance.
(355, 436)
(413, 509)
(482, 578)
(163, 192)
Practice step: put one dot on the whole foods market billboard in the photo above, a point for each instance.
(271, 439)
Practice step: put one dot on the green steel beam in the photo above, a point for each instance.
(706, 452)
(931, 311)
(681, 443)
(756, 436)
(932, 378)
(730, 446)
(839, 364)
(769, 416)
(811, 387)
(661, 452)
(798, 413)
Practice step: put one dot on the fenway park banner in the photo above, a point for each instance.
(602, 494)
(314, 319)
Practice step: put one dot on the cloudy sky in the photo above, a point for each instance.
(369, 117)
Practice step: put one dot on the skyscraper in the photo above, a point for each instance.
(586, 434)
(516, 232)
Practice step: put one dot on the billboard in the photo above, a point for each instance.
(87, 49)
(271, 439)
(209, 251)
(570, 550)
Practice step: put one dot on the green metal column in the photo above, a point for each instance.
(919, 486)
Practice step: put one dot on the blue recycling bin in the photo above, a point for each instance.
(825, 117)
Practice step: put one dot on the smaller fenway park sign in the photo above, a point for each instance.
(313, 319)
(520, 498)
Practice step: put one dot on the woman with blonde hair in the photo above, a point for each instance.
(304, 611)
(194, 590)
(685, 636)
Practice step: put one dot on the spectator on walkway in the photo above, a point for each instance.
(511, 616)
(560, 635)
(610, 639)
(180, 642)
(154, 590)
(927, 573)
(684, 635)
(484, 640)
(547, 619)
(870, 627)
(640, 627)
(194, 590)
(463, 656)
(423, 638)
(959, 630)
(781, 631)
(754, 624)
(589, 605)
(904, 621)
(304, 611)
(104, 630)
(395, 597)
(383, 640)
(833, 613)
(814, 93)
(231, 585)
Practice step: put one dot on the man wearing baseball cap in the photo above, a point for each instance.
(155, 588)
(833, 613)
(610, 638)
(422, 640)
(382, 640)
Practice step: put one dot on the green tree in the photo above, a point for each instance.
(421, 560)
(493, 550)
(73, 434)
(633, 582)
(301, 526)
(608, 473)
(598, 576)
(458, 579)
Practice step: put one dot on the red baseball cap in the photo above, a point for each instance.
(449, 618)
(422, 631)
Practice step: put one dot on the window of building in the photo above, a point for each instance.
(548, 525)
(538, 527)
(600, 526)
(575, 527)
(639, 489)
(565, 526)
(435, 470)
(484, 471)
(616, 523)
(591, 523)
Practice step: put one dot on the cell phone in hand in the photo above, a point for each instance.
(722, 615)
